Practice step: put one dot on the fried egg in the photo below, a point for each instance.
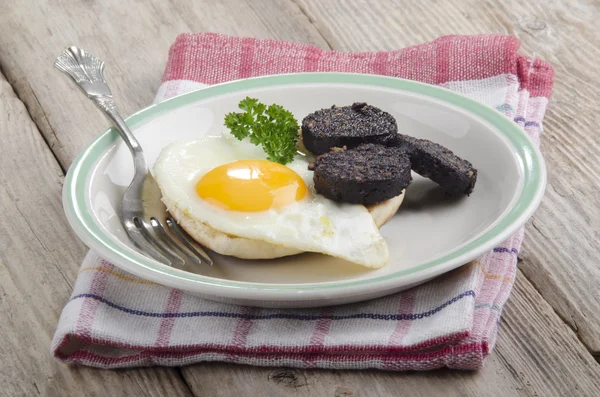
(230, 186)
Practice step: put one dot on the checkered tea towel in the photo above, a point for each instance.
(114, 319)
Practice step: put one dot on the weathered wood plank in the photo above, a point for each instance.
(557, 257)
(536, 355)
(39, 259)
(132, 38)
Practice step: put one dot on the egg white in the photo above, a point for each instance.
(314, 223)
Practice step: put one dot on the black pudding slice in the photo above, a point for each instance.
(431, 160)
(348, 126)
(368, 174)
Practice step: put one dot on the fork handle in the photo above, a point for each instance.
(87, 72)
(108, 106)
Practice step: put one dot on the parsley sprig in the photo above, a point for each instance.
(273, 127)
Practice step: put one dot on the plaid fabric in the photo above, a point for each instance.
(114, 319)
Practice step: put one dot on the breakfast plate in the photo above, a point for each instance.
(429, 235)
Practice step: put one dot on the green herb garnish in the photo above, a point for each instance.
(273, 127)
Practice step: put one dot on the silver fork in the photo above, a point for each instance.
(142, 212)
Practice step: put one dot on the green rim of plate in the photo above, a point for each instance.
(529, 156)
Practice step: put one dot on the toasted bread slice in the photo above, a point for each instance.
(246, 248)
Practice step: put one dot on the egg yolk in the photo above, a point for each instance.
(251, 186)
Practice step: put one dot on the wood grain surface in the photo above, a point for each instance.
(39, 260)
(132, 38)
(47, 122)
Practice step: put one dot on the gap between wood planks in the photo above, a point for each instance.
(17, 94)
(179, 372)
(312, 22)
(574, 328)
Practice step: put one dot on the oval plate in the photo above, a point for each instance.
(427, 237)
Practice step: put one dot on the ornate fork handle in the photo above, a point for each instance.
(143, 214)
(87, 72)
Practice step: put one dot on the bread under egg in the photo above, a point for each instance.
(226, 195)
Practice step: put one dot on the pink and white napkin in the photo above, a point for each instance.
(114, 319)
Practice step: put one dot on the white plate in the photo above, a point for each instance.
(427, 237)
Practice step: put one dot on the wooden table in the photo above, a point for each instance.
(549, 338)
